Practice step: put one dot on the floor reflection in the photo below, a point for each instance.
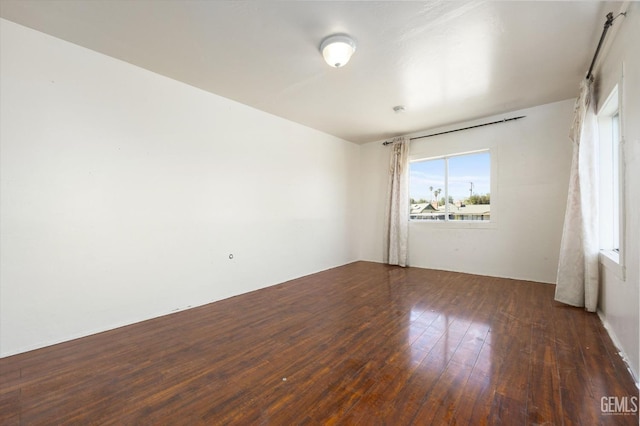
(437, 339)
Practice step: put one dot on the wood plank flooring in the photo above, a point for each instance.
(362, 344)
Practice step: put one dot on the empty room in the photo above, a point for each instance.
(319, 212)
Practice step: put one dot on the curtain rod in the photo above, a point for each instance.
(504, 120)
(607, 24)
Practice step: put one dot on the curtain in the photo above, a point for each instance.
(577, 279)
(397, 217)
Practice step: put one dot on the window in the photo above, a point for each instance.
(611, 176)
(451, 188)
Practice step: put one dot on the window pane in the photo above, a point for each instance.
(452, 188)
(470, 187)
(426, 184)
(609, 173)
(615, 177)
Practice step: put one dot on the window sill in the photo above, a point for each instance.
(451, 224)
(610, 260)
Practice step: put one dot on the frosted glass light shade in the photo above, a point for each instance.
(337, 50)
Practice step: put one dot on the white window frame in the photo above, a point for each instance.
(464, 224)
(611, 167)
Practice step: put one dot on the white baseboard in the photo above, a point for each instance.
(616, 343)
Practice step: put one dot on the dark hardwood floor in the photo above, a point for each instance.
(362, 344)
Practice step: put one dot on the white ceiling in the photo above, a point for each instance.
(445, 61)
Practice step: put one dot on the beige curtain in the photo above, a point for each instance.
(577, 279)
(397, 217)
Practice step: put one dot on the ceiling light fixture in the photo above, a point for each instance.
(337, 49)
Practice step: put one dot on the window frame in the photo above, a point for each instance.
(611, 168)
(463, 224)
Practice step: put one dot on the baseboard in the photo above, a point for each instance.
(616, 343)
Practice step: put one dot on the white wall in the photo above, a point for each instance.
(532, 155)
(619, 296)
(123, 193)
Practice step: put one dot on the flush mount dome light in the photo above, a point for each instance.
(337, 49)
